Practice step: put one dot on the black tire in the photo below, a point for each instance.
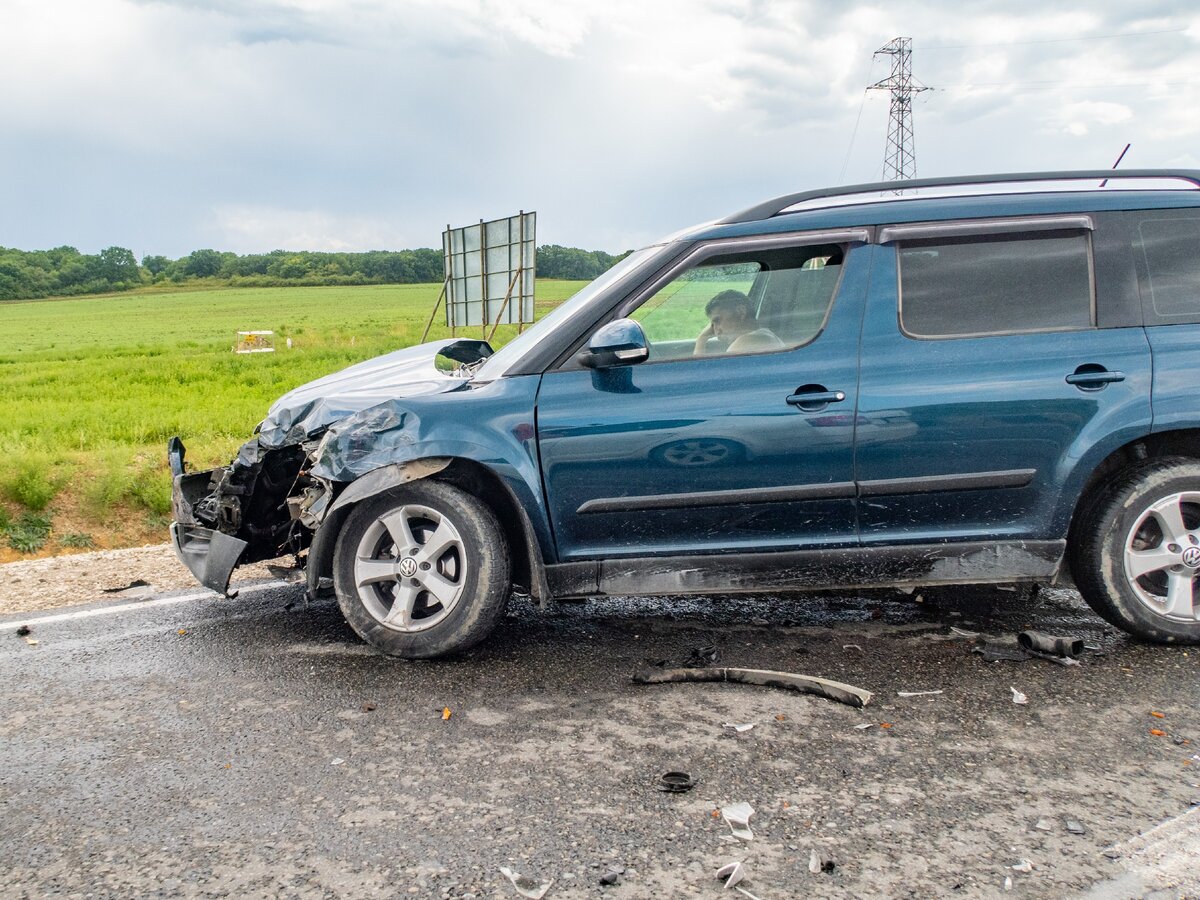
(1097, 551)
(485, 581)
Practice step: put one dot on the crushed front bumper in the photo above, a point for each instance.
(210, 555)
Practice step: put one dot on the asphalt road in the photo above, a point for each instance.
(245, 748)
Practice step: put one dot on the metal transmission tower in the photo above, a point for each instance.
(900, 160)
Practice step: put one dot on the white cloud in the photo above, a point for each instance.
(358, 123)
(250, 229)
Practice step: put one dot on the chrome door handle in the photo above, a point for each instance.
(1093, 381)
(815, 399)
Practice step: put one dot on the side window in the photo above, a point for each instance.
(744, 303)
(1168, 250)
(996, 284)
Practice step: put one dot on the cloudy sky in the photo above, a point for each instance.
(249, 125)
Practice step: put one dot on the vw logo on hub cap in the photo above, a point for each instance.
(408, 565)
(1191, 557)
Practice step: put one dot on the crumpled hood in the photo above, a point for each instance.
(403, 373)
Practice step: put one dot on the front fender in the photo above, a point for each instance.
(490, 424)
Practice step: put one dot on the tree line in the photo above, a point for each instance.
(64, 271)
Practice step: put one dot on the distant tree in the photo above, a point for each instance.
(202, 263)
(117, 265)
(155, 265)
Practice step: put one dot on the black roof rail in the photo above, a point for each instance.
(769, 208)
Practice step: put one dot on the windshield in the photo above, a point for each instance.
(500, 361)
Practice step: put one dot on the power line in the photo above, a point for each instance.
(1092, 37)
(853, 135)
(1047, 85)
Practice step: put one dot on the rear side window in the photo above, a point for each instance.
(1167, 247)
(996, 284)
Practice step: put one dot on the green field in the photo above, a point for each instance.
(93, 387)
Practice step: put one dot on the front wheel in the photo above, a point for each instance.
(422, 571)
(1136, 553)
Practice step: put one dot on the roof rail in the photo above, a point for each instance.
(774, 207)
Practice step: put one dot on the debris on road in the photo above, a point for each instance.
(703, 656)
(733, 874)
(1156, 715)
(676, 782)
(1008, 882)
(1017, 697)
(446, 713)
(526, 886)
(138, 586)
(998, 652)
(368, 707)
(337, 761)
(1044, 825)
(32, 642)
(805, 684)
(1050, 644)
(739, 728)
(916, 693)
(1158, 732)
(24, 631)
(818, 863)
(290, 574)
(1024, 866)
(865, 725)
(857, 647)
(609, 878)
(1075, 827)
(738, 817)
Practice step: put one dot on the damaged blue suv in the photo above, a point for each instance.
(993, 380)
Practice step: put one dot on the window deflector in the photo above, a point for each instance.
(968, 228)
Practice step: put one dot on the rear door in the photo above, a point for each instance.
(989, 385)
(722, 451)
(1166, 246)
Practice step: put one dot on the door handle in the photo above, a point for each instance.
(1093, 377)
(814, 397)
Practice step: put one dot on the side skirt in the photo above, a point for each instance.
(975, 562)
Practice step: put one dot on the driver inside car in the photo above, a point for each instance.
(732, 321)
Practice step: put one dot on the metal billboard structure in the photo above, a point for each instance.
(490, 269)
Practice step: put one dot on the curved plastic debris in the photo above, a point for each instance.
(788, 681)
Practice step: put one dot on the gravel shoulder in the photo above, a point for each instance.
(38, 584)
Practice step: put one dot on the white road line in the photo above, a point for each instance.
(146, 604)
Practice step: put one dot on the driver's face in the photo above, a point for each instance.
(725, 322)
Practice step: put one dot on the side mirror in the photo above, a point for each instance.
(619, 343)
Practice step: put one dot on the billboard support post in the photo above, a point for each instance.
(433, 315)
(504, 307)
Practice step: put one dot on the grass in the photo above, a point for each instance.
(93, 387)
(28, 533)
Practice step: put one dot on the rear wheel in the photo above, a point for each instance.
(1136, 554)
(422, 571)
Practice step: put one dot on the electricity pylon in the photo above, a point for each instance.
(900, 160)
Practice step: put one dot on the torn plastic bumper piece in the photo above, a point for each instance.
(209, 555)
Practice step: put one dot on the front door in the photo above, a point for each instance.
(738, 432)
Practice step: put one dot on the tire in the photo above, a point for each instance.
(1135, 555)
(442, 599)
